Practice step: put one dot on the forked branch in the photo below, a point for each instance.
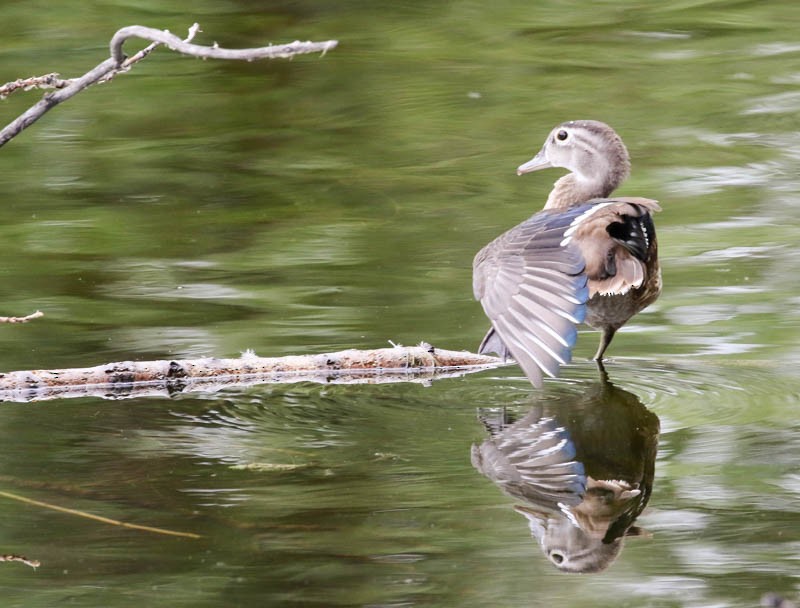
(117, 63)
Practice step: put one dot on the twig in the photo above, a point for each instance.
(117, 62)
(278, 51)
(126, 379)
(48, 81)
(33, 563)
(100, 518)
(25, 319)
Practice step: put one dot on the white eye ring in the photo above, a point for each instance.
(562, 135)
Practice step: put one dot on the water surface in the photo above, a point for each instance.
(195, 208)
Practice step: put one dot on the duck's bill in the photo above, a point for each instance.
(537, 162)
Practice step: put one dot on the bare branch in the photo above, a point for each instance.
(48, 81)
(134, 59)
(279, 51)
(125, 379)
(25, 319)
(33, 563)
(54, 80)
(117, 63)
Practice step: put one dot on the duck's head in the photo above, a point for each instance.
(594, 154)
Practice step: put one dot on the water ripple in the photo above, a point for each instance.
(691, 181)
(781, 103)
(775, 48)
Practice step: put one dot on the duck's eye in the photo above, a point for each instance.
(562, 135)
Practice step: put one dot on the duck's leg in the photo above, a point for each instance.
(605, 340)
(603, 373)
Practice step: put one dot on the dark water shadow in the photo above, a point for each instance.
(583, 466)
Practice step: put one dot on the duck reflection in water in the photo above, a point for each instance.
(583, 465)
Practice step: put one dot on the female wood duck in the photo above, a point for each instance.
(584, 257)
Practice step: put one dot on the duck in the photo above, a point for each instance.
(586, 257)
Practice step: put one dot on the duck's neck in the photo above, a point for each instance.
(570, 190)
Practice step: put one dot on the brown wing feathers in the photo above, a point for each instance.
(615, 240)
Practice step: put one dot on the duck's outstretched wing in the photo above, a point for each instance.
(534, 291)
(534, 280)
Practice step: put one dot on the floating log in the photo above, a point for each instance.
(164, 378)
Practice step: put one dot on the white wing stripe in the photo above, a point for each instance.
(580, 219)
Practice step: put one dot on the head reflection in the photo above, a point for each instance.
(583, 465)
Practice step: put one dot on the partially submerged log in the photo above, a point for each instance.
(164, 378)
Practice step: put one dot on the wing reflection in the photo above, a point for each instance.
(582, 465)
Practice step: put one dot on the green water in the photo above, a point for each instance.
(194, 208)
